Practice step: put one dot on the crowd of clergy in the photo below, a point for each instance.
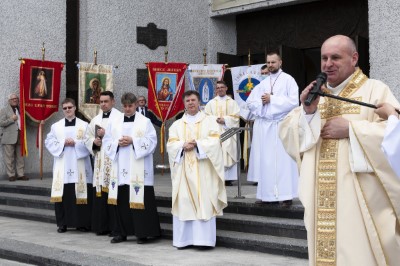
(340, 157)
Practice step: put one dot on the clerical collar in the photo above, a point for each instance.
(106, 114)
(192, 118)
(336, 90)
(129, 118)
(70, 123)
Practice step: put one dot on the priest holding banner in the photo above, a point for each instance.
(226, 112)
(72, 172)
(130, 141)
(197, 172)
(102, 213)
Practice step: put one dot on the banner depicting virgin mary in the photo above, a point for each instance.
(203, 79)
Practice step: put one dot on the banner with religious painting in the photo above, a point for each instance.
(93, 79)
(244, 79)
(203, 79)
(39, 93)
(166, 86)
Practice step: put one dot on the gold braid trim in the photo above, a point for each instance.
(98, 194)
(112, 201)
(104, 189)
(326, 194)
(139, 206)
(56, 199)
(81, 201)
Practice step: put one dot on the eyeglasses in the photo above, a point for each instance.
(67, 107)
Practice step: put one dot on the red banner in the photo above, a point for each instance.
(39, 92)
(166, 87)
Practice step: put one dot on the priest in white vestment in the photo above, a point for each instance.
(72, 172)
(269, 164)
(226, 112)
(197, 173)
(130, 141)
(102, 213)
(391, 139)
(349, 191)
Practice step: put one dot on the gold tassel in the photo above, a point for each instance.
(112, 201)
(98, 194)
(104, 189)
(134, 205)
(56, 199)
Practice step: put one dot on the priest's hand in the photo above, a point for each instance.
(221, 120)
(189, 145)
(266, 98)
(97, 142)
(385, 110)
(100, 132)
(125, 141)
(312, 108)
(335, 128)
(69, 142)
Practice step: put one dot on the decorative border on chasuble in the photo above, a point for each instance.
(326, 194)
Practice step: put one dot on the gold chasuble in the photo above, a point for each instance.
(198, 189)
(351, 212)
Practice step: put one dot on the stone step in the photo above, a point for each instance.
(25, 189)
(248, 206)
(273, 226)
(255, 242)
(23, 200)
(33, 214)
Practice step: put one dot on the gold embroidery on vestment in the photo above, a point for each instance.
(326, 194)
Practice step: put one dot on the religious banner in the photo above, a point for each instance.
(39, 92)
(165, 89)
(93, 79)
(244, 79)
(203, 79)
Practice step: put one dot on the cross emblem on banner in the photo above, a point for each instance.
(70, 172)
(124, 172)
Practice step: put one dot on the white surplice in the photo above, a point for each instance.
(143, 146)
(391, 143)
(228, 109)
(270, 165)
(68, 158)
(102, 163)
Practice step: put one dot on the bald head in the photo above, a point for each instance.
(338, 59)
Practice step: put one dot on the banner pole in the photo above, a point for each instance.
(95, 56)
(205, 57)
(43, 52)
(41, 149)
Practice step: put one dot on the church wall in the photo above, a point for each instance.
(24, 26)
(384, 39)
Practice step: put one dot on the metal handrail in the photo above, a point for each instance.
(228, 134)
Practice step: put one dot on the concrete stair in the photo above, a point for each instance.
(244, 225)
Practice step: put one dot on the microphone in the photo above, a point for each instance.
(321, 79)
